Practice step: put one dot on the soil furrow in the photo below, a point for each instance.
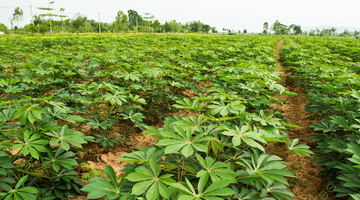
(307, 184)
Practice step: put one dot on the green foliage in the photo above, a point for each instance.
(32, 144)
(100, 187)
(59, 94)
(3, 28)
(328, 67)
(65, 137)
(150, 182)
(78, 21)
(19, 192)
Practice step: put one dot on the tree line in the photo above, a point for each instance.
(132, 21)
(282, 29)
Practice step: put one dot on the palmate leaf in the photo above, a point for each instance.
(134, 117)
(245, 194)
(135, 76)
(106, 141)
(278, 190)
(153, 72)
(216, 170)
(4, 183)
(65, 136)
(6, 115)
(186, 104)
(215, 145)
(192, 122)
(241, 134)
(61, 158)
(299, 149)
(115, 99)
(150, 181)
(265, 120)
(224, 109)
(350, 181)
(32, 143)
(73, 118)
(5, 162)
(153, 131)
(268, 168)
(11, 89)
(213, 192)
(29, 112)
(354, 149)
(19, 192)
(100, 187)
(96, 123)
(324, 126)
(137, 99)
(61, 107)
(143, 155)
(341, 121)
(183, 141)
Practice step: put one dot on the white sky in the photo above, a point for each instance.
(231, 14)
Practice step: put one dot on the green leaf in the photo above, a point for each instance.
(136, 177)
(109, 171)
(21, 182)
(141, 187)
(220, 184)
(153, 192)
(163, 190)
(299, 149)
(187, 151)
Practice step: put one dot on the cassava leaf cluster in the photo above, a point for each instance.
(56, 95)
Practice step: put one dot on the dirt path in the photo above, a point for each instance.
(306, 185)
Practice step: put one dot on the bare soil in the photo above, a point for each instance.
(307, 185)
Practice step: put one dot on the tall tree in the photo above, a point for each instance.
(279, 28)
(62, 16)
(333, 31)
(150, 19)
(134, 18)
(297, 30)
(37, 20)
(266, 28)
(78, 21)
(3, 28)
(18, 15)
(156, 26)
(346, 33)
(356, 34)
(205, 28)
(213, 30)
(121, 20)
(48, 14)
(167, 27)
(195, 26)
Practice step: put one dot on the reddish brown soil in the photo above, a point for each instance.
(306, 185)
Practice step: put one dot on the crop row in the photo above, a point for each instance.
(52, 88)
(344, 46)
(332, 81)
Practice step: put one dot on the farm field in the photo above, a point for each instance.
(171, 116)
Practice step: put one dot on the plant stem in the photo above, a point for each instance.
(236, 155)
